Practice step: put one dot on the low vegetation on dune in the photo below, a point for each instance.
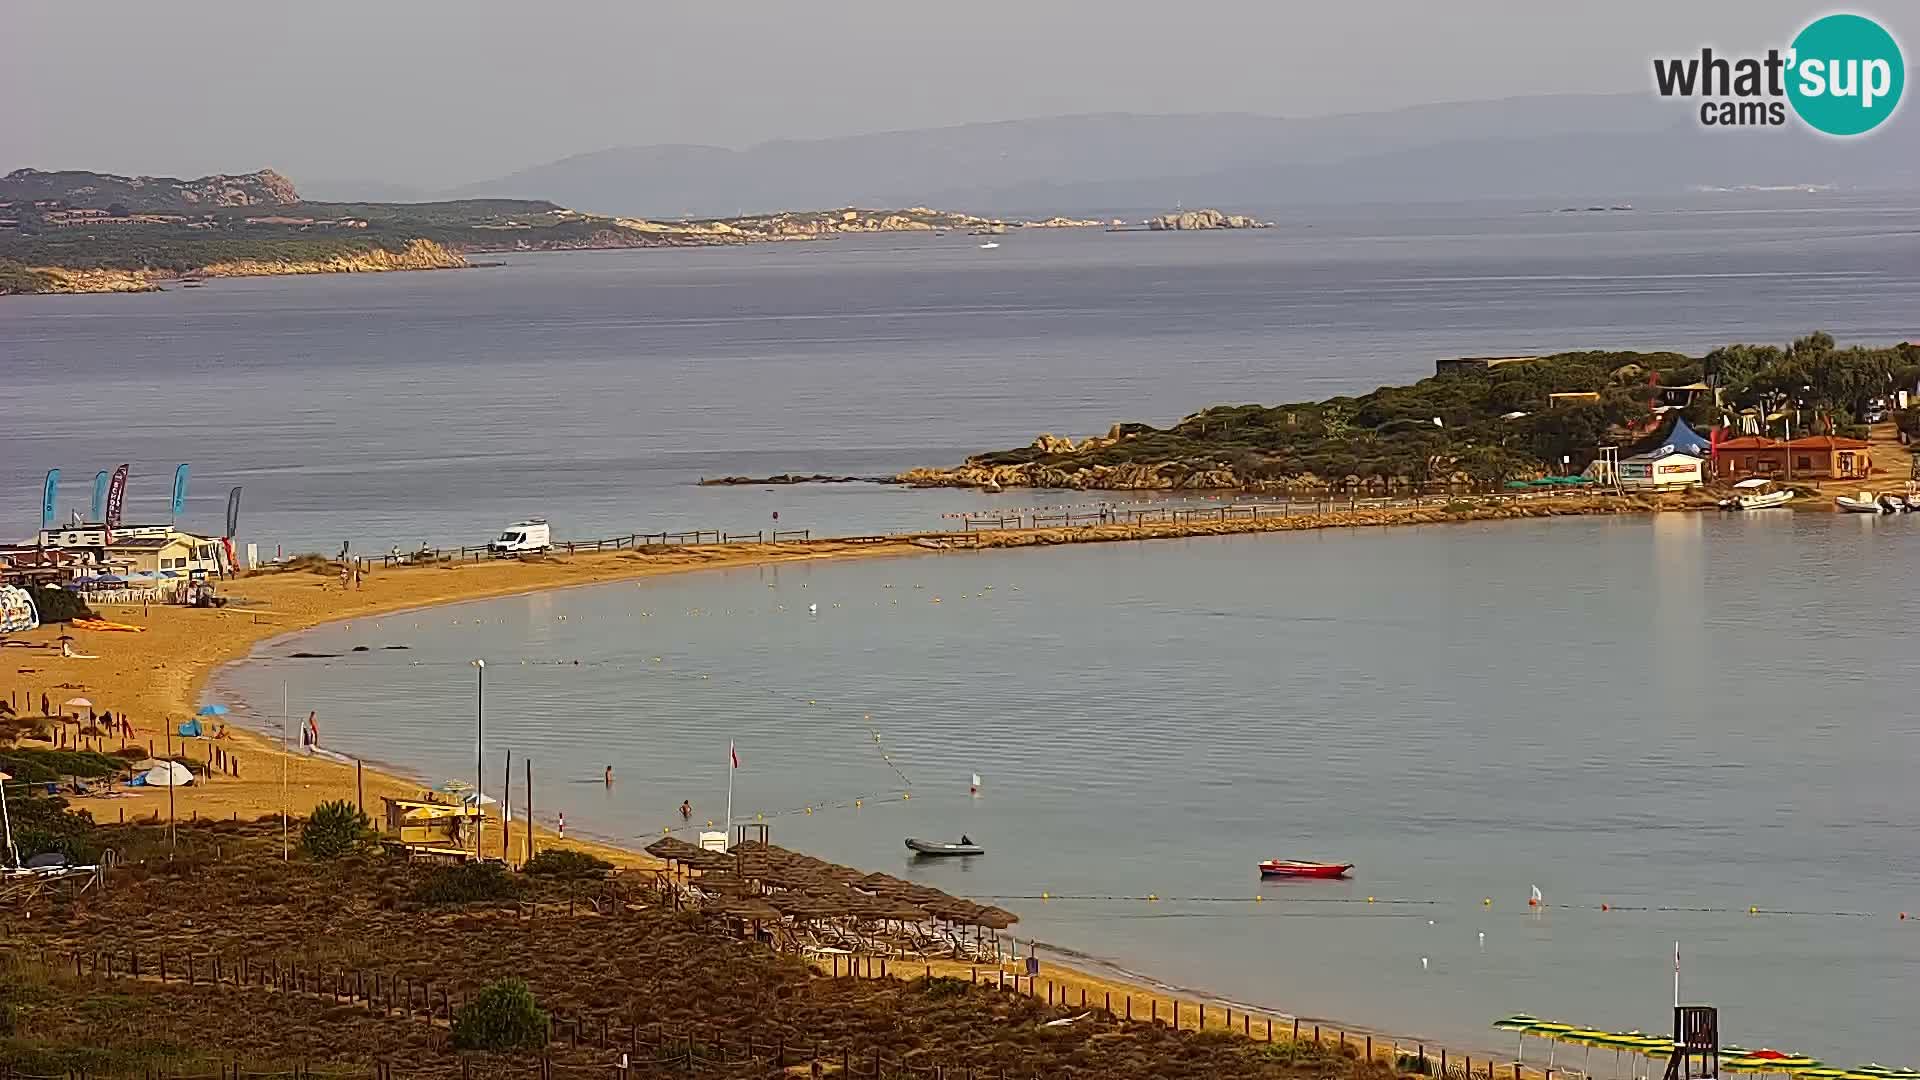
(1481, 425)
(308, 940)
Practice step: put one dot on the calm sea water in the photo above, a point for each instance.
(596, 388)
(1674, 713)
(1677, 713)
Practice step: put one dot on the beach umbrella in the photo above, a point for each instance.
(1551, 1032)
(1587, 1037)
(213, 710)
(452, 787)
(1519, 1024)
(76, 703)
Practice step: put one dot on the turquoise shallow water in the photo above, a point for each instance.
(1676, 713)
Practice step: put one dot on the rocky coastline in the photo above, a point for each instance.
(416, 255)
(1189, 220)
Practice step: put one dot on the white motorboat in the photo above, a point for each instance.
(1758, 493)
(1894, 504)
(989, 245)
(1864, 503)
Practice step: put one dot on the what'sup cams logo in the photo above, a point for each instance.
(1841, 76)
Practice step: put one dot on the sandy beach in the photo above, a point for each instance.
(156, 676)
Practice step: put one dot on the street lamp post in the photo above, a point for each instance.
(479, 752)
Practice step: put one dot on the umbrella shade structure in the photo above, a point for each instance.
(472, 800)
(452, 787)
(212, 710)
(165, 774)
(1519, 1024)
(76, 703)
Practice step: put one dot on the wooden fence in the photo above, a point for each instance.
(630, 541)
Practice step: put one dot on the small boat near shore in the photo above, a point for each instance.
(938, 849)
(1299, 869)
(1758, 493)
(1864, 503)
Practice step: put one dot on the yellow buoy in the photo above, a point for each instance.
(1369, 899)
(1044, 896)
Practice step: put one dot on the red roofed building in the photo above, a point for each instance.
(1814, 457)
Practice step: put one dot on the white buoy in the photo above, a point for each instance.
(813, 609)
(1483, 939)
(1423, 963)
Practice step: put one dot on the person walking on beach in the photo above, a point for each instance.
(686, 810)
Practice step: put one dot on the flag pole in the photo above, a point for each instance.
(1676, 974)
(732, 765)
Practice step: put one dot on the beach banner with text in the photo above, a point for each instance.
(179, 490)
(48, 495)
(97, 506)
(116, 495)
(1842, 75)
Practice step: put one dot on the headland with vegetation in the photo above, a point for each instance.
(1477, 423)
(76, 231)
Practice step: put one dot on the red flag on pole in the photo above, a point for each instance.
(733, 754)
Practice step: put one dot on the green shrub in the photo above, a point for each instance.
(503, 1016)
(467, 883)
(942, 986)
(44, 766)
(566, 863)
(58, 605)
(334, 829)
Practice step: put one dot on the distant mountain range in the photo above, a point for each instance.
(1561, 147)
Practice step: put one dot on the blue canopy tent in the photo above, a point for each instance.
(1686, 440)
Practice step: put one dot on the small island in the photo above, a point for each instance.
(1187, 220)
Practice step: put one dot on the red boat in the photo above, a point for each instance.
(1295, 868)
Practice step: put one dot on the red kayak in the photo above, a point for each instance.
(1295, 868)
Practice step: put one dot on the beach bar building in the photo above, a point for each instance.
(1665, 469)
(425, 827)
(1814, 457)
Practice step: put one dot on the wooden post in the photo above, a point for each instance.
(360, 785)
(529, 765)
(1296, 1029)
(506, 815)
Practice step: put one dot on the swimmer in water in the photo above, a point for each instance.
(609, 779)
(686, 810)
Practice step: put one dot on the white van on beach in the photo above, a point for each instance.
(523, 538)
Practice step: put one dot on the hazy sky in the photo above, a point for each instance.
(438, 92)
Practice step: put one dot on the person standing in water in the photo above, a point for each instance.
(609, 778)
(686, 810)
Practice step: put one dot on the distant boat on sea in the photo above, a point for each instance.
(989, 245)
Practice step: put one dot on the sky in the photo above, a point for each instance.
(437, 93)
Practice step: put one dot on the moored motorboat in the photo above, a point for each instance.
(937, 848)
(1758, 493)
(1298, 868)
(1863, 503)
(1894, 504)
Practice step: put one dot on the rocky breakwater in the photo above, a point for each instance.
(980, 472)
(416, 255)
(1187, 220)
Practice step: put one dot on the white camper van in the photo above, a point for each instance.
(523, 538)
